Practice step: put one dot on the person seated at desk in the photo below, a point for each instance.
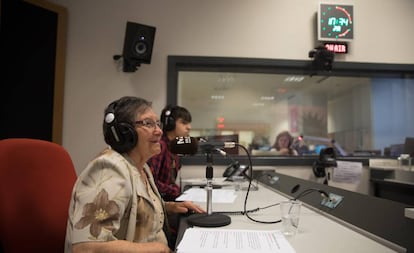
(115, 204)
(176, 122)
(283, 144)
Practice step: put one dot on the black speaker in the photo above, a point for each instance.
(121, 136)
(138, 44)
(167, 119)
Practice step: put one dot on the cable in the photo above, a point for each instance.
(238, 212)
(323, 193)
(248, 191)
(247, 212)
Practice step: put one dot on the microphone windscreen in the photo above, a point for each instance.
(295, 188)
(324, 194)
(184, 145)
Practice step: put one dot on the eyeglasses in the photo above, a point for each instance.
(148, 123)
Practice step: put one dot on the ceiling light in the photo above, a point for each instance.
(217, 97)
(267, 98)
(294, 79)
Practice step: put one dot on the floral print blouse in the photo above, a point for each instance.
(110, 201)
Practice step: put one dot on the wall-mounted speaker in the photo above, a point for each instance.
(138, 44)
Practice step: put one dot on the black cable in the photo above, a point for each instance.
(248, 191)
(310, 190)
(238, 212)
(246, 212)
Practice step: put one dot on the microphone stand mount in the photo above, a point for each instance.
(209, 219)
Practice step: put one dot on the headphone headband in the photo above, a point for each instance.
(167, 119)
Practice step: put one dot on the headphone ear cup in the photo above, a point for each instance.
(318, 171)
(122, 137)
(129, 137)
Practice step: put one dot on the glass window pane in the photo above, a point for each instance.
(360, 115)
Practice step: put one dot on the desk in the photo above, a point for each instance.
(393, 184)
(317, 232)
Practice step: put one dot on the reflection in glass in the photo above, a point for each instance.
(357, 115)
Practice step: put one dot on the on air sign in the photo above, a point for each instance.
(337, 48)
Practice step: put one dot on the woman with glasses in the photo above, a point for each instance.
(115, 205)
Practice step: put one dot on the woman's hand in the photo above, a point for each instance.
(157, 247)
(183, 207)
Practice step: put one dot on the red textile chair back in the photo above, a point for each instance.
(36, 180)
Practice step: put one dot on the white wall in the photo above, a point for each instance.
(277, 29)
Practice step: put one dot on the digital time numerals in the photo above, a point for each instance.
(335, 22)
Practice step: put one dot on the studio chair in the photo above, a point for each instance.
(36, 180)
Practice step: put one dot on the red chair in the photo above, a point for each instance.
(36, 180)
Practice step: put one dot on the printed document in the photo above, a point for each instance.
(347, 172)
(207, 240)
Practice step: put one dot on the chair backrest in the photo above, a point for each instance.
(36, 180)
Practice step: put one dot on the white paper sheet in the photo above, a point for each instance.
(202, 240)
(347, 172)
(215, 180)
(200, 195)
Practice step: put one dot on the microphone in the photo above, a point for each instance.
(295, 188)
(186, 145)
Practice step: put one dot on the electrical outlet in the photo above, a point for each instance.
(333, 200)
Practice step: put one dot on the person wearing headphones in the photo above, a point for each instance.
(283, 144)
(115, 204)
(176, 122)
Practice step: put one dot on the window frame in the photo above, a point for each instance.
(273, 66)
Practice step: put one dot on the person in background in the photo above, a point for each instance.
(176, 122)
(115, 204)
(283, 144)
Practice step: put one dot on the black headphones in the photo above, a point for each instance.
(167, 119)
(121, 136)
(318, 170)
(327, 158)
